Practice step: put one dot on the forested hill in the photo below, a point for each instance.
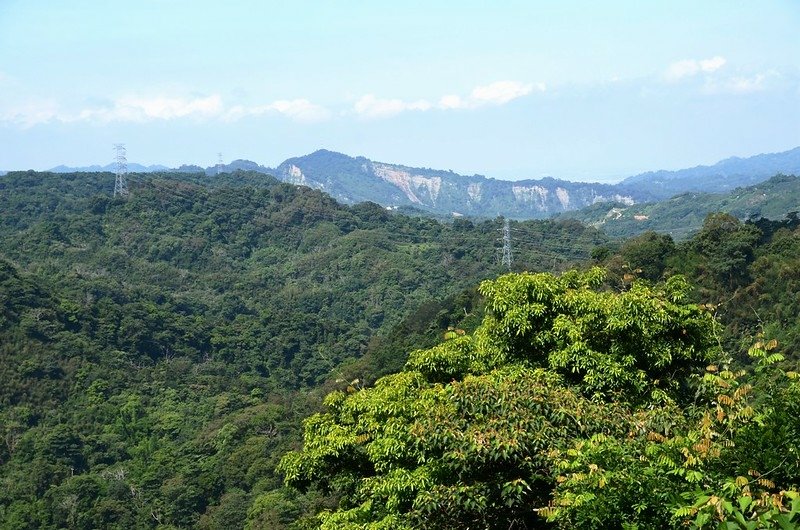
(158, 352)
(445, 193)
(355, 179)
(683, 215)
(442, 193)
(724, 176)
(577, 405)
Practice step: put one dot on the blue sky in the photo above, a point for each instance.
(574, 89)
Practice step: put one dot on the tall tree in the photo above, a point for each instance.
(469, 434)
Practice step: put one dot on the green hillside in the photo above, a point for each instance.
(599, 399)
(160, 352)
(722, 177)
(161, 355)
(683, 215)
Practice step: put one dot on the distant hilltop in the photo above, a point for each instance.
(723, 176)
(358, 179)
(132, 167)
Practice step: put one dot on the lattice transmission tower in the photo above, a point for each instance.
(120, 182)
(507, 258)
(220, 163)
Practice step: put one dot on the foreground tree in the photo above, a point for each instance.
(732, 464)
(474, 432)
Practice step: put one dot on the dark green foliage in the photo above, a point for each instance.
(469, 433)
(727, 246)
(646, 255)
(159, 352)
(683, 215)
(745, 271)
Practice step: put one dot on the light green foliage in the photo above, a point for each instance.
(695, 469)
(471, 433)
(412, 453)
(634, 345)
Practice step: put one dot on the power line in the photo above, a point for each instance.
(531, 245)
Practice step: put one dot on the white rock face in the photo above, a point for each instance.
(296, 176)
(531, 194)
(434, 184)
(563, 197)
(418, 189)
(475, 192)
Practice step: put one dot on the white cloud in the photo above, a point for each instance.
(300, 110)
(739, 84)
(501, 92)
(297, 109)
(452, 101)
(497, 93)
(690, 67)
(721, 82)
(369, 106)
(140, 109)
(30, 113)
(746, 85)
(162, 108)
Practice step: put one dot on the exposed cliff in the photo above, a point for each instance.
(358, 179)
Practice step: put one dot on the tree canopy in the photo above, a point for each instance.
(570, 404)
(160, 353)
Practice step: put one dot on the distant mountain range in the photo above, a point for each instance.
(357, 179)
(723, 176)
(682, 215)
(133, 167)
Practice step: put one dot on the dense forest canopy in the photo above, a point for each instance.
(161, 352)
(171, 342)
(571, 405)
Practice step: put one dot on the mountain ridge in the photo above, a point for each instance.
(356, 179)
(97, 168)
(726, 175)
(683, 215)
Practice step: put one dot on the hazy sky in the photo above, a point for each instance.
(584, 90)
